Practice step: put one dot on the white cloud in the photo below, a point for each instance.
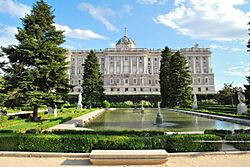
(214, 46)
(7, 35)
(207, 19)
(79, 33)
(14, 8)
(99, 14)
(112, 44)
(241, 70)
(126, 9)
(152, 2)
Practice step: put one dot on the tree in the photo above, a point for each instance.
(37, 70)
(93, 91)
(165, 86)
(227, 95)
(247, 92)
(180, 81)
(175, 80)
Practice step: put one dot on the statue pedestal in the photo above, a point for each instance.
(194, 106)
(79, 106)
(241, 108)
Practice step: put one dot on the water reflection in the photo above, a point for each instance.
(131, 119)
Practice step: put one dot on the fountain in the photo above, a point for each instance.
(142, 108)
(159, 118)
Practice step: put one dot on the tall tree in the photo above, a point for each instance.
(37, 71)
(227, 95)
(180, 81)
(247, 92)
(165, 77)
(93, 91)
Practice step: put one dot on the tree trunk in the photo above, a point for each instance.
(35, 113)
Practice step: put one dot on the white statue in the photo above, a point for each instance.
(80, 98)
(241, 96)
(241, 107)
(79, 104)
(195, 105)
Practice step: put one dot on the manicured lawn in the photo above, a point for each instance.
(47, 120)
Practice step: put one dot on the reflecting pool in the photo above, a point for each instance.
(132, 119)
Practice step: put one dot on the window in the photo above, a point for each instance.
(156, 59)
(156, 82)
(156, 89)
(206, 89)
(111, 89)
(111, 81)
(79, 90)
(72, 82)
(126, 58)
(199, 89)
(199, 80)
(118, 89)
(140, 58)
(141, 89)
(79, 70)
(135, 89)
(206, 80)
(118, 81)
(149, 59)
(126, 81)
(111, 58)
(126, 89)
(79, 81)
(150, 89)
(135, 80)
(149, 81)
(73, 59)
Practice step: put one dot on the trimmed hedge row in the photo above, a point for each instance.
(243, 146)
(221, 133)
(145, 133)
(86, 143)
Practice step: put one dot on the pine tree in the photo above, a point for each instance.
(165, 77)
(247, 92)
(37, 71)
(180, 81)
(93, 91)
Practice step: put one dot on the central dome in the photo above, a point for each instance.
(125, 42)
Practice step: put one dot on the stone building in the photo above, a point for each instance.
(127, 69)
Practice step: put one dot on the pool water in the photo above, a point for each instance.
(132, 119)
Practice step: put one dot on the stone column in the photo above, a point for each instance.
(201, 62)
(137, 65)
(114, 65)
(121, 70)
(152, 65)
(145, 64)
(107, 64)
(131, 65)
(194, 61)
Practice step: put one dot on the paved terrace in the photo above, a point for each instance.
(218, 159)
(69, 125)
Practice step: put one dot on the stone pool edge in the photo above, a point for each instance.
(218, 117)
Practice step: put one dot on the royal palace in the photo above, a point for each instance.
(127, 69)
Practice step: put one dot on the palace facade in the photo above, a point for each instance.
(127, 69)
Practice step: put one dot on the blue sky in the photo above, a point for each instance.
(97, 24)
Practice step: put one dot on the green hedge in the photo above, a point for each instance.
(146, 133)
(133, 98)
(86, 143)
(221, 133)
(243, 146)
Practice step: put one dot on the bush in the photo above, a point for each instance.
(86, 143)
(243, 146)
(106, 104)
(221, 133)
(191, 143)
(110, 132)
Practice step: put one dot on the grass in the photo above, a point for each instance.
(47, 120)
